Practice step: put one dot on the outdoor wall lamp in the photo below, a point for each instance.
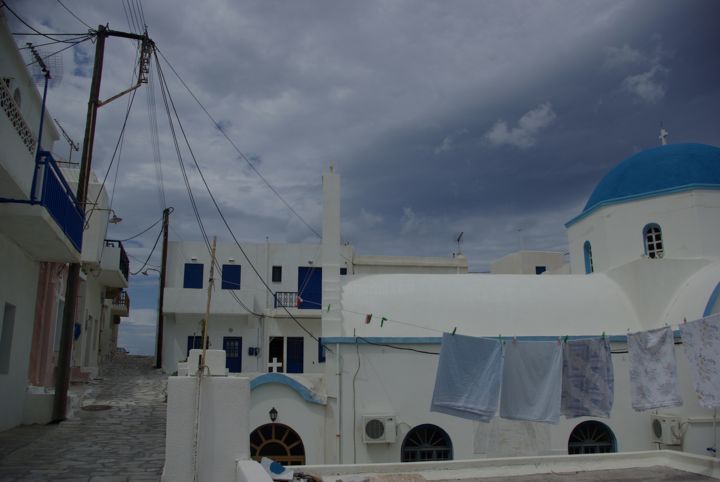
(273, 414)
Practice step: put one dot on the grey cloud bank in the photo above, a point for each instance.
(492, 118)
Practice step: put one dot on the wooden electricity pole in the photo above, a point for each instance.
(161, 298)
(62, 374)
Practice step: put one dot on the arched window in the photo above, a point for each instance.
(652, 235)
(587, 251)
(278, 442)
(592, 437)
(426, 442)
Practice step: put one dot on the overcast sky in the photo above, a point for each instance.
(493, 118)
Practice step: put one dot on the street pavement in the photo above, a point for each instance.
(123, 443)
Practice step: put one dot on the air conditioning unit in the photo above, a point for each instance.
(378, 429)
(666, 429)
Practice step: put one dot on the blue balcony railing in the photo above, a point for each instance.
(59, 200)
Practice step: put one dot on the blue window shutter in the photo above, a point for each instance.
(193, 275)
(230, 277)
(321, 351)
(295, 354)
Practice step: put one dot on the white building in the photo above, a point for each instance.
(42, 229)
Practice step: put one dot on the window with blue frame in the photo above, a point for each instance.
(193, 276)
(343, 271)
(230, 277)
(321, 351)
(587, 251)
(540, 269)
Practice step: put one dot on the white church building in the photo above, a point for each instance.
(644, 253)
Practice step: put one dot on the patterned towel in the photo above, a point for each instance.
(532, 381)
(653, 369)
(467, 383)
(588, 378)
(701, 340)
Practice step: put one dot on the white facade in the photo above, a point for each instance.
(41, 230)
(530, 262)
(654, 261)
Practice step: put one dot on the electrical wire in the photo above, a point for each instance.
(395, 347)
(37, 32)
(165, 90)
(149, 255)
(237, 149)
(115, 151)
(143, 231)
(76, 17)
(61, 50)
(54, 42)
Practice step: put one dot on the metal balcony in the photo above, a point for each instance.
(121, 304)
(114, 265)
(49, 225)
(287, 299)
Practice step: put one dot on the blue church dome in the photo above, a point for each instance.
(664, 169)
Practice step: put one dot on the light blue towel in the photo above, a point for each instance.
(532, 381)
(467, 383)
(588, 378)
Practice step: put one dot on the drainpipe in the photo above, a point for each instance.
(338, 425)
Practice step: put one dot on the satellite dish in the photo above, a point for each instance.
(42, 63)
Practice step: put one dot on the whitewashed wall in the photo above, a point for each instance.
(689, 222)
(401, 383)
(18, 286)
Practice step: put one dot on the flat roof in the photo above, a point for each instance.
(625, 466)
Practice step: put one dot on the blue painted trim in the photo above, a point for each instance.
(635, 197)
(399, 340)
(301, 389)
(394, 340)
(712, 300)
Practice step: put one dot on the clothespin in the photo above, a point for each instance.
(328, 308)
(566, 338)
(368, 317)
(500, 338)
(559, 340)
(382, 321)
(514, 339)
(454, 330)
(684, 320)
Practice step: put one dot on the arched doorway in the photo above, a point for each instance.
(278, 442)
(426, 442)
(592, 437)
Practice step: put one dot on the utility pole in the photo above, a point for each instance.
(62, 374)
(163, 271)
(211, 283)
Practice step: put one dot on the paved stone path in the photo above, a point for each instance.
(125, 443)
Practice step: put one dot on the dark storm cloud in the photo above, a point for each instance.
(492, 118)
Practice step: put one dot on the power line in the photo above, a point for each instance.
(61, 50)
(237, 149)
(37, 32)
(151, 253)
(165, 91)
(71, 13)
(143, 231)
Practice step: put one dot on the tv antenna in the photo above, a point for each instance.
(73, 145)
(44, 67)
(459, 242)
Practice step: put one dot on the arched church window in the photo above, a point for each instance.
(426, 442)
(278, 442)
(592, 437)
(587, 251)
(652, 235)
